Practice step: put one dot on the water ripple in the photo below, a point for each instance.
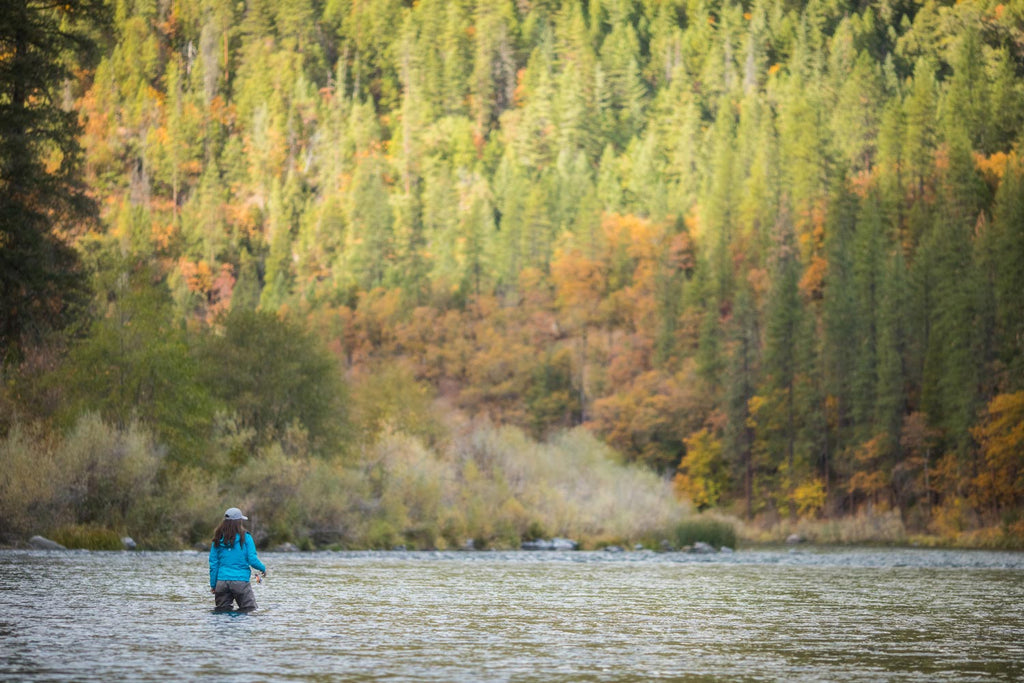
(815, 614)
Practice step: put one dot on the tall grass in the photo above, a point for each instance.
(717, 532)
(88, 536)
(866, 527)
(573, 486)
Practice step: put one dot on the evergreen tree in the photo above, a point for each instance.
(455, 56)
(950, 381)
(282, 219)
(741, 380)
(840, 316)
(575, 97)
(892, 401)
(1008, 248)
(370, 243)
(920, 115)
(855, 117)
(869, 252)
(778, 417)
(719, 203)
(760, 195)
(967, 91)
(622, 67)
(1005, 115)
(42, 203)
(494, 62)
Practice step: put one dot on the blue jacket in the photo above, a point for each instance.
(232, 563)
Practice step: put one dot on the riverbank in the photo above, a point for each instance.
(884, 529)
(873, 529)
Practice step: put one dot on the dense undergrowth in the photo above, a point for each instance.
(495, 486)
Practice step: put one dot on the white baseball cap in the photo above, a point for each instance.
(234, 513)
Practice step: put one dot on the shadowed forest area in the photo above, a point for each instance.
(417, 272)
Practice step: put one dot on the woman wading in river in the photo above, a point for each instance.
(232, 553)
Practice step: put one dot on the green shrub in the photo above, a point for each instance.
(270, 374)
(112, 471)
(89, 537)
(381, 535)
(715, 532)
(535, 531)
(97, 475)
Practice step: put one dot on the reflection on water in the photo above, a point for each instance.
(812, 615)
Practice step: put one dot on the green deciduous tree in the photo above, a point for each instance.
(275, 377)
(135, 365)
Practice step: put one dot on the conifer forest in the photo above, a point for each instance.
(413, 272)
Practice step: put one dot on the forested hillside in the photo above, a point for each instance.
(774, 249)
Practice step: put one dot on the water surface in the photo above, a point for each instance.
(816, 614)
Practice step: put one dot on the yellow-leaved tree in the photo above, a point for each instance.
(702, 475)
(999, 485)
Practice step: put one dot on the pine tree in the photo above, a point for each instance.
(891, 402)
(950, 381)
(42, 203)
(1008, 247)
(742, 378)
(719, 202)
(575, 103)
(621, 62)
(868, 259)
(840, 315)
(919, 146)
(685, 145)
(370, 243)
(1006, 97)
(779, 422)
(279, 260)
(855, 117)
(890, 166)
(803, 145)
(967, 91)
(456, 57)
(759, 198)
(494, 62)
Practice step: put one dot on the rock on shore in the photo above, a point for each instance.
(40, 543)
(551, 544)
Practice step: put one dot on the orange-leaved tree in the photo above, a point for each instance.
(999, 485)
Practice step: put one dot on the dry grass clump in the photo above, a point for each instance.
(97, 475)
(866, 527)
(498, 487)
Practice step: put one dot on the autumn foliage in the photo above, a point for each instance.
(770, 251)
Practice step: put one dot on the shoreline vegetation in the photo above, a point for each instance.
(491, 488)
(722, 533)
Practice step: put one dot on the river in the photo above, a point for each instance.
(810, 614)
